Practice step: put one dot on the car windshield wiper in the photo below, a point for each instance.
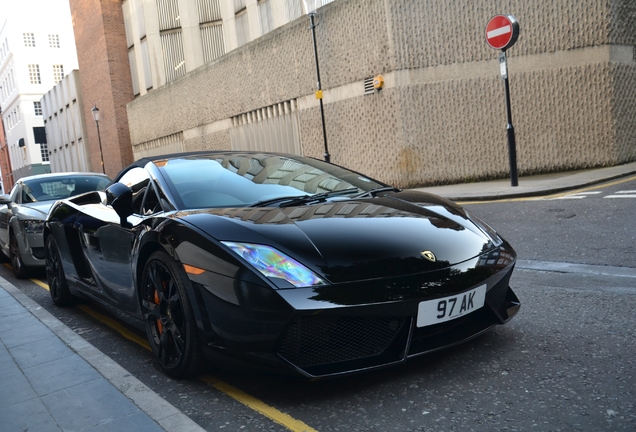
(287, 201)
(374, 192)
(267, 202)
(330, 194)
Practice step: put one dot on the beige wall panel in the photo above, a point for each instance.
(451, 131)
(213, 141)
(363, 133)
(563, 118)
(623, 105)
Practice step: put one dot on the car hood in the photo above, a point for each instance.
(347, 240)
(36, 210)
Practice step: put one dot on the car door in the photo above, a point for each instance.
(108, 244)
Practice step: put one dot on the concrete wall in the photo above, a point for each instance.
(440, 117)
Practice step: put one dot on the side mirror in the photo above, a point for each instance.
(5, 199)
(119, 197)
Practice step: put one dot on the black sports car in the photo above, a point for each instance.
(284, 259)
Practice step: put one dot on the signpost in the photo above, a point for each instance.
(502, 32)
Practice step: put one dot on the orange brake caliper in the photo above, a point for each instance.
(159, 323)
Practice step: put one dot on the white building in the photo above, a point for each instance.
(37, 49)
(64, 124)
(168, 38)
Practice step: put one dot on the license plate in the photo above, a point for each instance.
(436, 311)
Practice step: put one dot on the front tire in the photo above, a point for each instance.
(19, 269)
(168, 317)
(58, 287)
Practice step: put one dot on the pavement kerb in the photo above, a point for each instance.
(529, 187)
(157, 408)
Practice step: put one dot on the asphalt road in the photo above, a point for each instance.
(567, 362)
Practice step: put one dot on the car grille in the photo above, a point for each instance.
(497, 294)
(320, 340)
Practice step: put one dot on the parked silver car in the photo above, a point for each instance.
(23, 211)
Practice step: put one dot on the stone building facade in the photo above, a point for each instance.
(440, 116)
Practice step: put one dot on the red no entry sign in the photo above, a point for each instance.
(502, 31)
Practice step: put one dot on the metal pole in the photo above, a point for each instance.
(99, 139)
(319, 92)
(510, 130)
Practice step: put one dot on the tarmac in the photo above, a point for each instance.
(51, 379)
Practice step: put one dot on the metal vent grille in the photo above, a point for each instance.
(368, 86)
(321, 340)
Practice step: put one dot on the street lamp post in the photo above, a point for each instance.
(310, 8)
(95, 112)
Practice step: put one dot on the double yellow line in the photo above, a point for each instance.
(249, 401)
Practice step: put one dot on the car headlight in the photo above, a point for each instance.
(273, 263)
(486, 229)
(33, 226)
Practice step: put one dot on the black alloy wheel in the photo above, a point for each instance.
(168, 317)
(19, 269)
(58, 287)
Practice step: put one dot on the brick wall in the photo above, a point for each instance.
(105, 79)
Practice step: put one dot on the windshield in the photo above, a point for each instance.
(237, 180)
(55, 188)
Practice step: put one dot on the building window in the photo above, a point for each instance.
(265, 16)
(132, 61)
(212, 41)
(37, 108)
(58, 73)
(211, 26)
(145, 59)
(209, 11)
(54, 41)
(293, 9)
(44, 152)
(168, 11)
(173, 56)
(242, 27)
(29, 39)
(34, 74)
(39, 134)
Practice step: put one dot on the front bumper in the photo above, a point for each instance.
(337, 329)
(330, 343)
(32, 250)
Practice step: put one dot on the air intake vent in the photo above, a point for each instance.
(368, 86)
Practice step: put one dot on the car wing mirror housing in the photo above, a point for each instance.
(119, 197)
(5, 199)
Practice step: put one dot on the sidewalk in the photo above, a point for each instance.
(51, 379)
(547, 184)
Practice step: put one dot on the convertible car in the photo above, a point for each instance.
(285, 260)
(23, 211)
